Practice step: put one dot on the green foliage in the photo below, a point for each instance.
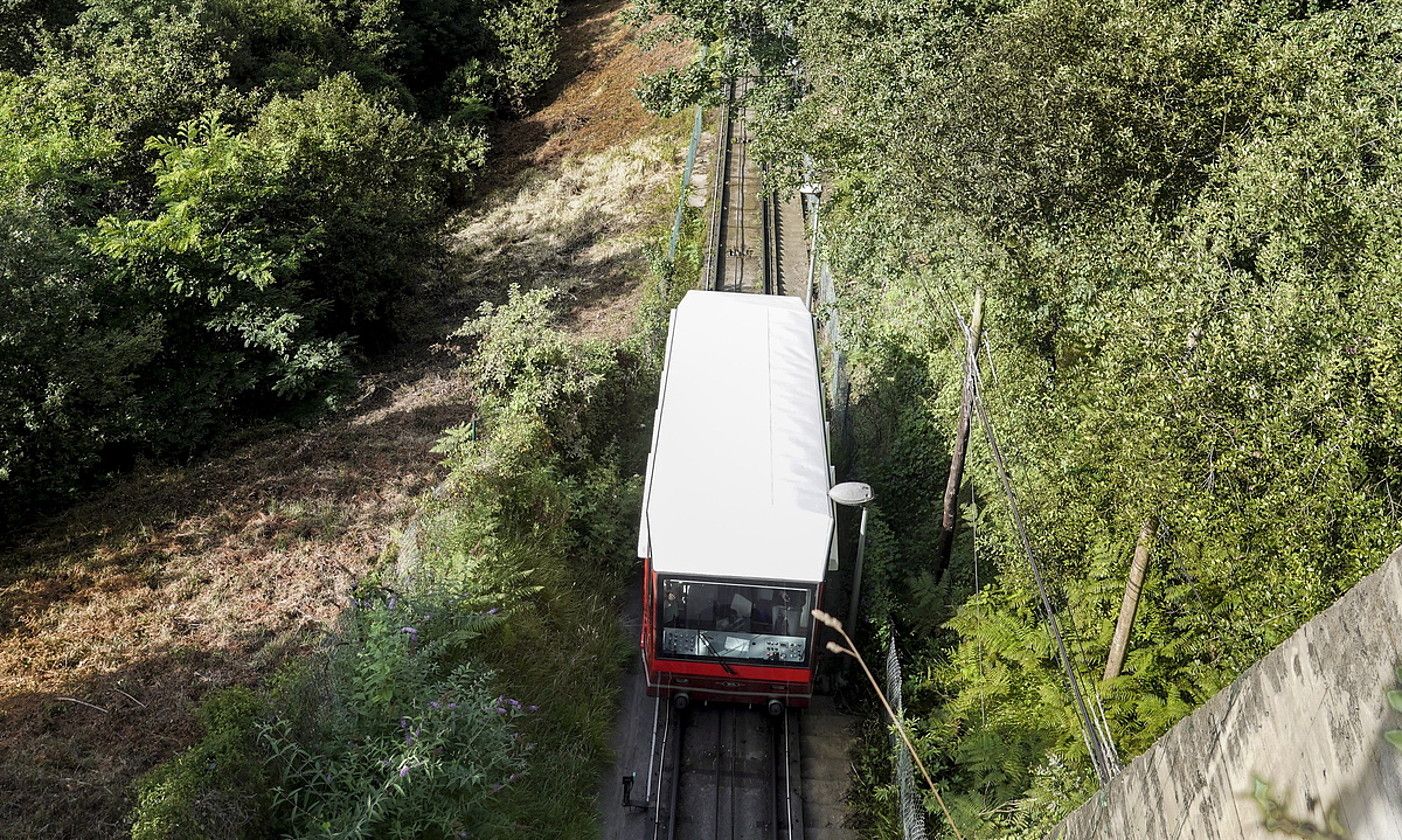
(218, 788)
(448, 705)
(525, 38)
(528, 371)
(541, 518)
(743, 35)
(669, 91)
(401, 734)
(397, 733)
(210, 209)
(1186, 219)
(673, 279)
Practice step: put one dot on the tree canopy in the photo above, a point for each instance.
(1186, 216)
(208, 208)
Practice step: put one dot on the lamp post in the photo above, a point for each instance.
(858, 495)
(813, 191)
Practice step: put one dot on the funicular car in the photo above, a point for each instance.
(737, 526)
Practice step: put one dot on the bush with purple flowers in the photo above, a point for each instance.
(400, 734)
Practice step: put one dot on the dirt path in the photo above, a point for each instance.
(119, 615)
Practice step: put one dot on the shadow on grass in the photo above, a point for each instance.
(58, 771)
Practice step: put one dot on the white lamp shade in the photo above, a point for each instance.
(851, 493)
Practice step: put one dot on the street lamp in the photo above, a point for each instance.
(813, 191)
(858, 495)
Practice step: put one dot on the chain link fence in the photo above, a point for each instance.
(912, 806)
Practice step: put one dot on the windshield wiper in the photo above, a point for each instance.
(726, 665)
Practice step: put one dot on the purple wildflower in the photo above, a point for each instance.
(501, 710)
(404, 771)
(532, 708)
(492, 611)
(434, 704)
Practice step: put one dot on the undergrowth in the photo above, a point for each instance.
(469, 690)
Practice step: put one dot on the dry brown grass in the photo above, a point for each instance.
(578, 225)
(182, 580)
(589, 106)
(178, 580)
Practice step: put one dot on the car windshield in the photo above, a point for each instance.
(710, 620)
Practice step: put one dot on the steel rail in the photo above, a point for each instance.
(674, 785)
(746, 800)
(710, 275)
(769, 238)
(720, 789)
(737, 254)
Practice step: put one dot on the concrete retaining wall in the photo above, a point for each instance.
(1308, 719)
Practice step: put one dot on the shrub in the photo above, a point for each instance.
(218, 204)
(397, 733)
(524, 35)
(400, 735)
(217, 788)
(446, 703)
(539, 515)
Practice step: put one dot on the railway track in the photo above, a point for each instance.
(729, 772)
(742, 254)
(726, 772)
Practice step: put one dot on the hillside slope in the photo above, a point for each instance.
(118, 616)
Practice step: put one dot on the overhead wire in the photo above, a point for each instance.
(1094, 724)
(1095, 728)
(1087, 683)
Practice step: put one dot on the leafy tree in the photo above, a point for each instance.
(210, 208)
(24, 23)
(1185, 217)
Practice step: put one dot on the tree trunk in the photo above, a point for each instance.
(961, 441)
(1120, 644)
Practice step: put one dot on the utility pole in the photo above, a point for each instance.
(1120, 644)
(961, 440)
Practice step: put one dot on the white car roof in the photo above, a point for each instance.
(738, 475)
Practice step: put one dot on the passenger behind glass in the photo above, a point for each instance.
(763, 615)
(785, 614)
(673, 605)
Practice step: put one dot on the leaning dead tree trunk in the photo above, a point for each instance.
(1120, 644)
(961, 440)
